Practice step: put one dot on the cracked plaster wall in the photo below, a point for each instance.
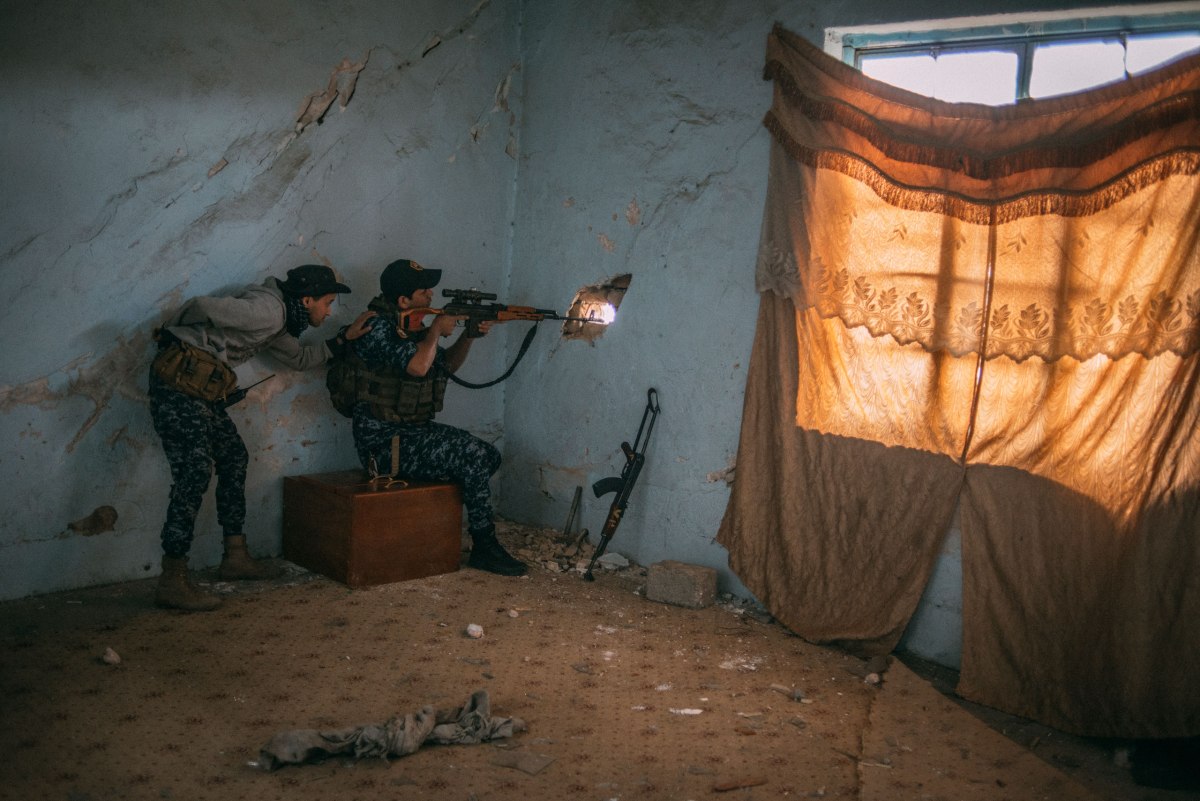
(116, 114)
(531, 147)
(643, 153)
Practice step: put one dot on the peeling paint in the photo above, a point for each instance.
(438, 38)
(499, 105)
(264, 192)
(501, 101)
(726, 475)
(342, 81)
(116, 436)
(554, 479)
(96, 245)
(31, 393)
(103, 519)
(430, 45)
(97, 382)
(116, 200)
(633, 213)
(606, 243)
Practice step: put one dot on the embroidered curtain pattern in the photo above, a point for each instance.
(994, 309)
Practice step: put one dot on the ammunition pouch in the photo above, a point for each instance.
(194, 372)
(416, 401)
(393, 396)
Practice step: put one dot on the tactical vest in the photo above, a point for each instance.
(393, 395)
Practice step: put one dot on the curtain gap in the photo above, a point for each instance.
(988, 284)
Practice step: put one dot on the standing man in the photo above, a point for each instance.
(399, 380)
(191, 383)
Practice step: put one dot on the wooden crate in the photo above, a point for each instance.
(342, 526)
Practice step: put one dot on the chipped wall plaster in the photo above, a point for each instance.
(644, 153)
(630, 131)
(178, 165)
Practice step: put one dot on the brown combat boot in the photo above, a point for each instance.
(176, 592)
(238, 565)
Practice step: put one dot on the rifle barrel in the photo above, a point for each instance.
(547, 314)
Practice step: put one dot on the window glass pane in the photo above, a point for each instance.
(1061, 68)
(1149, 51)
(977, 77)
(909, 71)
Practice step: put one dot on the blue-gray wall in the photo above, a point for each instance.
(115, 112)
(530, 148)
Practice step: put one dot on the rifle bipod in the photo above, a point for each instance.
(622, 485)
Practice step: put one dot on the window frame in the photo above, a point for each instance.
(1017, 33)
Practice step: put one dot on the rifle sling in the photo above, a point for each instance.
(520, 354)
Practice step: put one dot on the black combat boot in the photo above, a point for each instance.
(488, 554)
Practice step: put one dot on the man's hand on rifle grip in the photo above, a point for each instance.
(443, 326)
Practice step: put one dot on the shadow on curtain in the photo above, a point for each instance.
(996, 308)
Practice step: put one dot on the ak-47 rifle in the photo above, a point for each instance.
(623, 485)
(469, 303)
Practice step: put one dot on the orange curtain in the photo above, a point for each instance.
(996, 309)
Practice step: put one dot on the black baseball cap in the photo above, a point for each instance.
(404, 277)
(316, 280)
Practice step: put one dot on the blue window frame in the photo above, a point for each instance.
(1005, 59)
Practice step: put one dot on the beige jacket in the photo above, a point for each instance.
(237, 327)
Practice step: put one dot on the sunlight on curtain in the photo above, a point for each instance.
(1004, 305)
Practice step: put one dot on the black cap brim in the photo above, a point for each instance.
(428, 278)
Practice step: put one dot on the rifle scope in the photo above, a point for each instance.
(468, 295)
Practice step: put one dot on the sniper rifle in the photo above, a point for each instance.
(469, 303)
(623, 485)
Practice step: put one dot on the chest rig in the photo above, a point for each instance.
(391, 393)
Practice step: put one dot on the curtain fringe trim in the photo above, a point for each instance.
(977, 210)
(1096, 144)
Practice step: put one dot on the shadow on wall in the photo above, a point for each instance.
(597, 302)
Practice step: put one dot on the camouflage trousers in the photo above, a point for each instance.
(196, 436)
(433, 452)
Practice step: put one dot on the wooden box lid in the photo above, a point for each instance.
(351, 483)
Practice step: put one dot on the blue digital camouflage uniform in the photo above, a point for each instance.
(196, 436)
(427, 451)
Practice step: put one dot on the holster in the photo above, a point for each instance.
(194, 371)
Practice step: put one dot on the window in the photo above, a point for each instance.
(1003, 59)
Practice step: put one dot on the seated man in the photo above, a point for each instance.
(191, 383)
(401, 380)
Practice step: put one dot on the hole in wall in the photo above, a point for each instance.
(597, 306)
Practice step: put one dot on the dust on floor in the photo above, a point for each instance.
(624, 698)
